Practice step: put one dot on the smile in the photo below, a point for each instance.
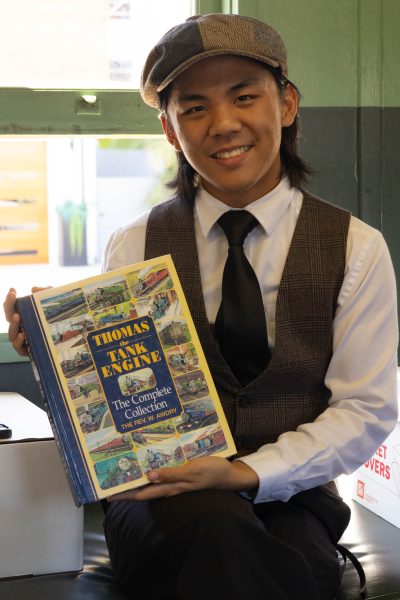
(232, 153)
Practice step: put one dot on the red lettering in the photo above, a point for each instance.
(373, 464)
(382, 451)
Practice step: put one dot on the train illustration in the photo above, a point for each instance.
(81, 360)
(91, 418)
(155, 458)
(113, 318)
(66, 335)
(194, 419)
(107, 296)
(206, 444)
(61, 307)
(145, 285)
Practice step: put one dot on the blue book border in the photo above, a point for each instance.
(56, 405)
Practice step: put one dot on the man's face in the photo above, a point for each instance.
(225, 114)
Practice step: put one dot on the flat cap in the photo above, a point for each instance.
(208, 35)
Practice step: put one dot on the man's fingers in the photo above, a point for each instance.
(14, 327)
(170, 481)
(20, 345)
(165, 475)
(165, 482)
(17, 337)
(183, 473)
(9, 304)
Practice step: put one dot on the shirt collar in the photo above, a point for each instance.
(268, 209)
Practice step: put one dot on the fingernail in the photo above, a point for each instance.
(154, 476)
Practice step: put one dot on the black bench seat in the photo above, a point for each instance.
(374, 542)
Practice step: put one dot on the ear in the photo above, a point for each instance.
(169, 132)
(290, 106)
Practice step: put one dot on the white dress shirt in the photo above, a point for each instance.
(362, 375)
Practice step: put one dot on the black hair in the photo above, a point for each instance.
(294, 166)
(296, 169)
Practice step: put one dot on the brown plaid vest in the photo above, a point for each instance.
(291, 390)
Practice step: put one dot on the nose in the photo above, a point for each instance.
(224, 121)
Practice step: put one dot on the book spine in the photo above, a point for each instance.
(60, 420)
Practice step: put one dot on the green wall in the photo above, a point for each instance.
(345, 57)
(341, 52)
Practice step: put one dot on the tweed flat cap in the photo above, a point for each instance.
(208, 35)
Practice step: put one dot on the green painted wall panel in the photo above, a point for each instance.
(29, 111)
(328, 144)
(341, 52)
(8, 354)
(345, 57)
(321, 38)
(391, 53)
(390, 184)
(369, 65)
(203, 7)
(18, 377)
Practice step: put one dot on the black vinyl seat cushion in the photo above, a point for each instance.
(374, 542)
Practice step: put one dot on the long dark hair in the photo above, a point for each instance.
(184, 182)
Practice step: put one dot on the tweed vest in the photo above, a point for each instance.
(291, 390)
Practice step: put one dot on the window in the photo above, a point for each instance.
(57, 52)
(61, 198)
(81, 43)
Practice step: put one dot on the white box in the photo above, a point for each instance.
(376, 484)
(41, 529)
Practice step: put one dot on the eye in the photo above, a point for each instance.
(244, 98)
(193, 110)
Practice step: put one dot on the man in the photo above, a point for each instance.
(314, 402)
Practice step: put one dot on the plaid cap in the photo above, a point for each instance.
(208, 35)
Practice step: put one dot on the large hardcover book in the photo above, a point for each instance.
(124, 378)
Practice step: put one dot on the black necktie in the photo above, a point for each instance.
(240, 325)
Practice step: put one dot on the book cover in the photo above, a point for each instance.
(124, 378)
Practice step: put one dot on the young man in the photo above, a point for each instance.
(313, 402)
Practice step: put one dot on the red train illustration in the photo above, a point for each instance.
(145, 285)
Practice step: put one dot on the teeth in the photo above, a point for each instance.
(232, 152)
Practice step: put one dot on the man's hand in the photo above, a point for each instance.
(15, 335)
(210, 472)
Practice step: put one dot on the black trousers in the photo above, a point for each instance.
(215, 545)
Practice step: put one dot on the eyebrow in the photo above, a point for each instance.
(190, 97)
(244, 83)
(200, 97)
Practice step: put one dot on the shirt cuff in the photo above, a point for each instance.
(272, 474)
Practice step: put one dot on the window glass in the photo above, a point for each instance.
(61, 198)
(23, 203)
(81, 43)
